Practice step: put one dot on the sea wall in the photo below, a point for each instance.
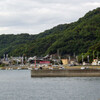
(66, 73)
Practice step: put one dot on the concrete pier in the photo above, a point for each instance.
(66, 73)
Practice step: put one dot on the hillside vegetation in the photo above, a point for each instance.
(79, 37)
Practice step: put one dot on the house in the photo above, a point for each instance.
(5, 62)
(65, 61)
(39, 61)
(84, 63)
(98, 62)
(95, 62)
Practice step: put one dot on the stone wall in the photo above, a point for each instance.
(66, 73)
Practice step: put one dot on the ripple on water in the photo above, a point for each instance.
(18, 85)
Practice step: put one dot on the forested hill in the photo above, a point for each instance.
(78, 37)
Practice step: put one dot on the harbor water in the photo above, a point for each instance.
(18, 85)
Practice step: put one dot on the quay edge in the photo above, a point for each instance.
(66, 73)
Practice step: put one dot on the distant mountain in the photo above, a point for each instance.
(78, 37)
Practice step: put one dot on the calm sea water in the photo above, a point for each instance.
(18, 85)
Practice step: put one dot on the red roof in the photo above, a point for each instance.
(44, 62)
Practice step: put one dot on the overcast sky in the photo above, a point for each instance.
(35, 16)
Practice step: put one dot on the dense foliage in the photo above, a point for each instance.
(78, 37)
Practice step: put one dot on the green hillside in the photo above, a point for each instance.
(78, 37)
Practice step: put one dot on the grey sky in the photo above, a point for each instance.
(35, 16)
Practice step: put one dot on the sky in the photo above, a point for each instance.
(35, 16)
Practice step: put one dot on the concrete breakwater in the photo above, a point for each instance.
(66, 73)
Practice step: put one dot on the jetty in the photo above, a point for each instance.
(66, 73)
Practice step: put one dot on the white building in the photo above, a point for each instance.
(98, 62)
(95, 62)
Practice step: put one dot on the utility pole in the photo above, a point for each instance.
(22, 60)
(88, 58)
(35, 61)
(58, 52)
(74, 55)
(97, 56)
(77, 58)
(58, 55)
(4, 56)
(69, 59)
(82, 58)
(7, 57)
(93, 54)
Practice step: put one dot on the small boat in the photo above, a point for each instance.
(29, 68)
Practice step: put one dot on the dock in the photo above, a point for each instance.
(66, 73)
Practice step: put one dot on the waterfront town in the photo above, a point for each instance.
(48, 61)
